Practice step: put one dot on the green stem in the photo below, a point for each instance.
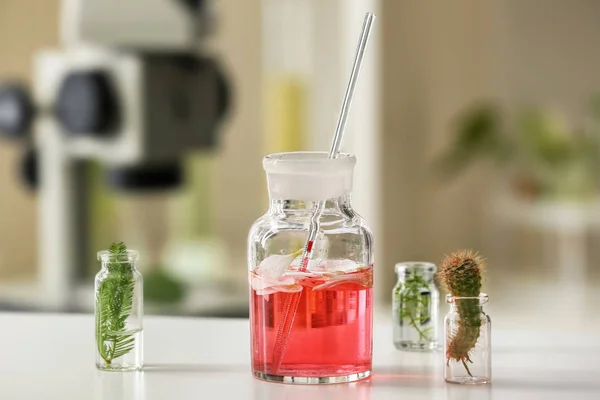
(413, 302)
(413, 323)
(112, 353)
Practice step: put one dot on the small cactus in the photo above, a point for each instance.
(461, 274)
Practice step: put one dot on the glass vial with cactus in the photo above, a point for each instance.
(119, 310)
(467, 328)
(415, 307)
(467, 341)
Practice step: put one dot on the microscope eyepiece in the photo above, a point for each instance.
(87, 104)
(16, 111)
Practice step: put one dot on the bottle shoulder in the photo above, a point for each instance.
(330, 221)
(363, 225)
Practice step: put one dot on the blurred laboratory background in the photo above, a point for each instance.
(476, 124)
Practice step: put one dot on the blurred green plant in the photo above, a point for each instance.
(161, 287)
(548, 159)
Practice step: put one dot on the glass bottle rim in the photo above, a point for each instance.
(483, 298)
(303, 162)
(413, 266)
(105, 256)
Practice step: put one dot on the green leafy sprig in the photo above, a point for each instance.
(114, 299)
(414, 306)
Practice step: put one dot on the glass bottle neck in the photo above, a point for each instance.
(120, 266)
(471, 304)
(343, 202)
(415, 271)
(408, 276)
(468, 304)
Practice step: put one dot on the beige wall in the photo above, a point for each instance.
(25, 25)
(240, 181)
(435, 61)
(437, 58)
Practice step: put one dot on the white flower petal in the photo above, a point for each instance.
(316, 264)
(259, 284)
(341, 266)
(285, 280)
(274, 266)
(267, 285)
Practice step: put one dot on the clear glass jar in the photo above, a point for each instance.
(310, 325)
(415, 307)
(119, 309)
(467, 341)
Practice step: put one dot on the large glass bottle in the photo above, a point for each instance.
(313, 325)
(119, 309)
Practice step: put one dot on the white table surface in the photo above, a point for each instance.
(52, 357)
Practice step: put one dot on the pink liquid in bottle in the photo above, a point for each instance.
(331, 336)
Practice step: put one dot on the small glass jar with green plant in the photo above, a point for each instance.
(119, 310)
(415, 307)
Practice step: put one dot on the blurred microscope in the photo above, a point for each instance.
(132, 87)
